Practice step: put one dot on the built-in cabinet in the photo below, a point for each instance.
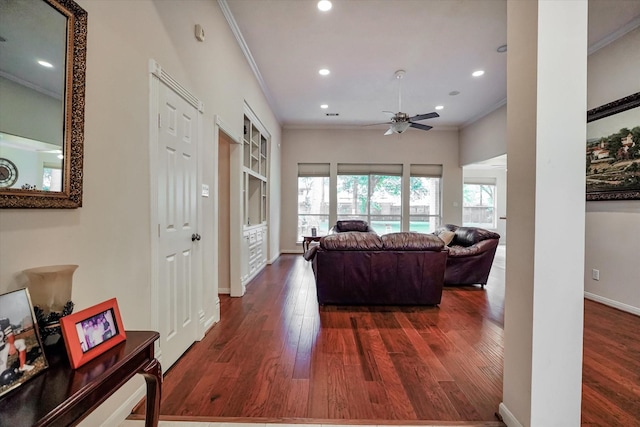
(255, 144)
(254, 248)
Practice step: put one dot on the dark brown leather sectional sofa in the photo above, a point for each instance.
(471, 254)
(362, 268)
(355, 266)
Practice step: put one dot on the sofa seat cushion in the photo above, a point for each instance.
(351, 241)
(411, 241)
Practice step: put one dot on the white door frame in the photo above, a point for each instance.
(157, 75)
(234, 208)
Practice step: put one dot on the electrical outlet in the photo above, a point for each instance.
(595, 274)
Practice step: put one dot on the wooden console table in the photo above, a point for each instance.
(62, 396)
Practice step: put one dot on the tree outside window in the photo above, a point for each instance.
(374, 198)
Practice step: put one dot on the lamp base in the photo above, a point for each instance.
(49, 324)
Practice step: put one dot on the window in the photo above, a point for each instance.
(51, 177)
(424, 198)
(313, 199)
(479, 204)
(371, 192)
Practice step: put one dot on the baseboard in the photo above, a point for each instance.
(120, 414)
(291, 251)
(225, 291)
(209, 323)
(507, 417)
(272, 260)
(613, 303)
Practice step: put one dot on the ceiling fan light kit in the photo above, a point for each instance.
(400, 121)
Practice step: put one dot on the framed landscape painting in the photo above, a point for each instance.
(613, 150)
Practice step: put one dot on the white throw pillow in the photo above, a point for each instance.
(447, 237)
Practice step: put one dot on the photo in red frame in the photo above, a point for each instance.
(92, 331)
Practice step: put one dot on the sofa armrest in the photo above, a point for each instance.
(458, 251)
(310, 254)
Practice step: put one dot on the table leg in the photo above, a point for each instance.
(153, 376)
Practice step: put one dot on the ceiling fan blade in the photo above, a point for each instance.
(389, 131)
(375, 124)
(425, 116)
(420, 126)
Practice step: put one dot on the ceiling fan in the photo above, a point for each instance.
(400, 121)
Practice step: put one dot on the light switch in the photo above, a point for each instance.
(205, 190)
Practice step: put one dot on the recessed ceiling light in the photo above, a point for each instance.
(324, 5)
(502, 49)
(324, 106)
(439, 107)
(477, 73)
(45, 64)
(454, 92)
(324, 72)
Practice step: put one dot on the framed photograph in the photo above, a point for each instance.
(90, 332)
(613, 150)
(21, 355)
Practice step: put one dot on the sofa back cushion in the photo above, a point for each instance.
(352, 225)
(411, 241)
(467, 236)
(351, 241)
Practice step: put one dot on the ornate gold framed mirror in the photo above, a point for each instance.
(43, 45)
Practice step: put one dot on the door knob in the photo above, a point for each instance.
(195, 237)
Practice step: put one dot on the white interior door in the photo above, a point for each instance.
(178, 262)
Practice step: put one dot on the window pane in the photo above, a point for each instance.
(51, 179)
(313, 195)
(307, 222)
(386, 197)
(424, 198)
(424, 224)
(479, 205)
(386, 224)
(353, 194)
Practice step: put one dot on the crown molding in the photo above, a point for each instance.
(611, 37)
(224, 6)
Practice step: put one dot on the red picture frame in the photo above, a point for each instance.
(92, 331)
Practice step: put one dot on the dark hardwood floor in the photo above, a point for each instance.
(278, 357)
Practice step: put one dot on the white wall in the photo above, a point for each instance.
(613, 227)
(30, 114)
(485, 138)
(109, 237)
(367, 146)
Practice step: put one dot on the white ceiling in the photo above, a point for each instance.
(32, 31)
(363, 42)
